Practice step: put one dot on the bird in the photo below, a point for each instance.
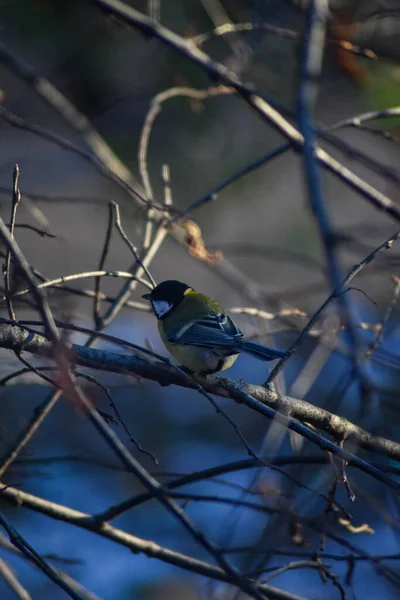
(197, 332)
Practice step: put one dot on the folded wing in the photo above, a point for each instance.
(216, 330)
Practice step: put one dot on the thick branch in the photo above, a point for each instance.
(135, 544)
(264, 400)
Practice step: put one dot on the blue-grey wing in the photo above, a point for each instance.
(215, 330)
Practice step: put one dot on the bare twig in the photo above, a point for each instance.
(386, 245)
(238, 465)
(86, 595)
(262, 314)
(229, 28)
(9, 577)
(16, 198)
(128, 242)
(382, 325)
(118, 416)
(96, 304)
(33, 556)
(35, 370)
(154, 111)
(358, 120)
(90, 294)
(301, 564)
(41, 232)
(127, 290)
(20, 260)
(77, 276)
(213, 193)
(219, 16)
(23, 371)
(134, 501)
(32, 426)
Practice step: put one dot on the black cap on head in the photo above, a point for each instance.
(170, 291)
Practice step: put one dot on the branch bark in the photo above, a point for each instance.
(135, 544)
(265, 400)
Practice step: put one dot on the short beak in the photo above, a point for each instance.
(146, 296)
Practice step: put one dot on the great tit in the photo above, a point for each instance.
(197, 332)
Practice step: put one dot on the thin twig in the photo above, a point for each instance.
(229, 28)
(206, 474)
(154, 111)
(26, 434)
(386, 245)
(301, 564)
(35, 370)
(26, 549)
(131, 246)
(213, 193)
(106, 246)
(23, 371)
(262, 314)
(77, 276)
(240, 48)
(16, 198)
(86, 595)
(41, 232)
(118, 416)
(374, 115)
(129, 287)
(185, 478)
(90, 294)
(41, 302)
(323, 132)
(382, 325)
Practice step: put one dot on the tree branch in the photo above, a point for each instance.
(218, 71)
(263, 400)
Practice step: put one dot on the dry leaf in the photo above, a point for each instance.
(195, 243)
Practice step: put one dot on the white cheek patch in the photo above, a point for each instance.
(161, 308)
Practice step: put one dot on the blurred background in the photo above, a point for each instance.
(272, 260)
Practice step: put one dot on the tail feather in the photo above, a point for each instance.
(261, 352)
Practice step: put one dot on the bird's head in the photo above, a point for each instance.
(166, 296)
